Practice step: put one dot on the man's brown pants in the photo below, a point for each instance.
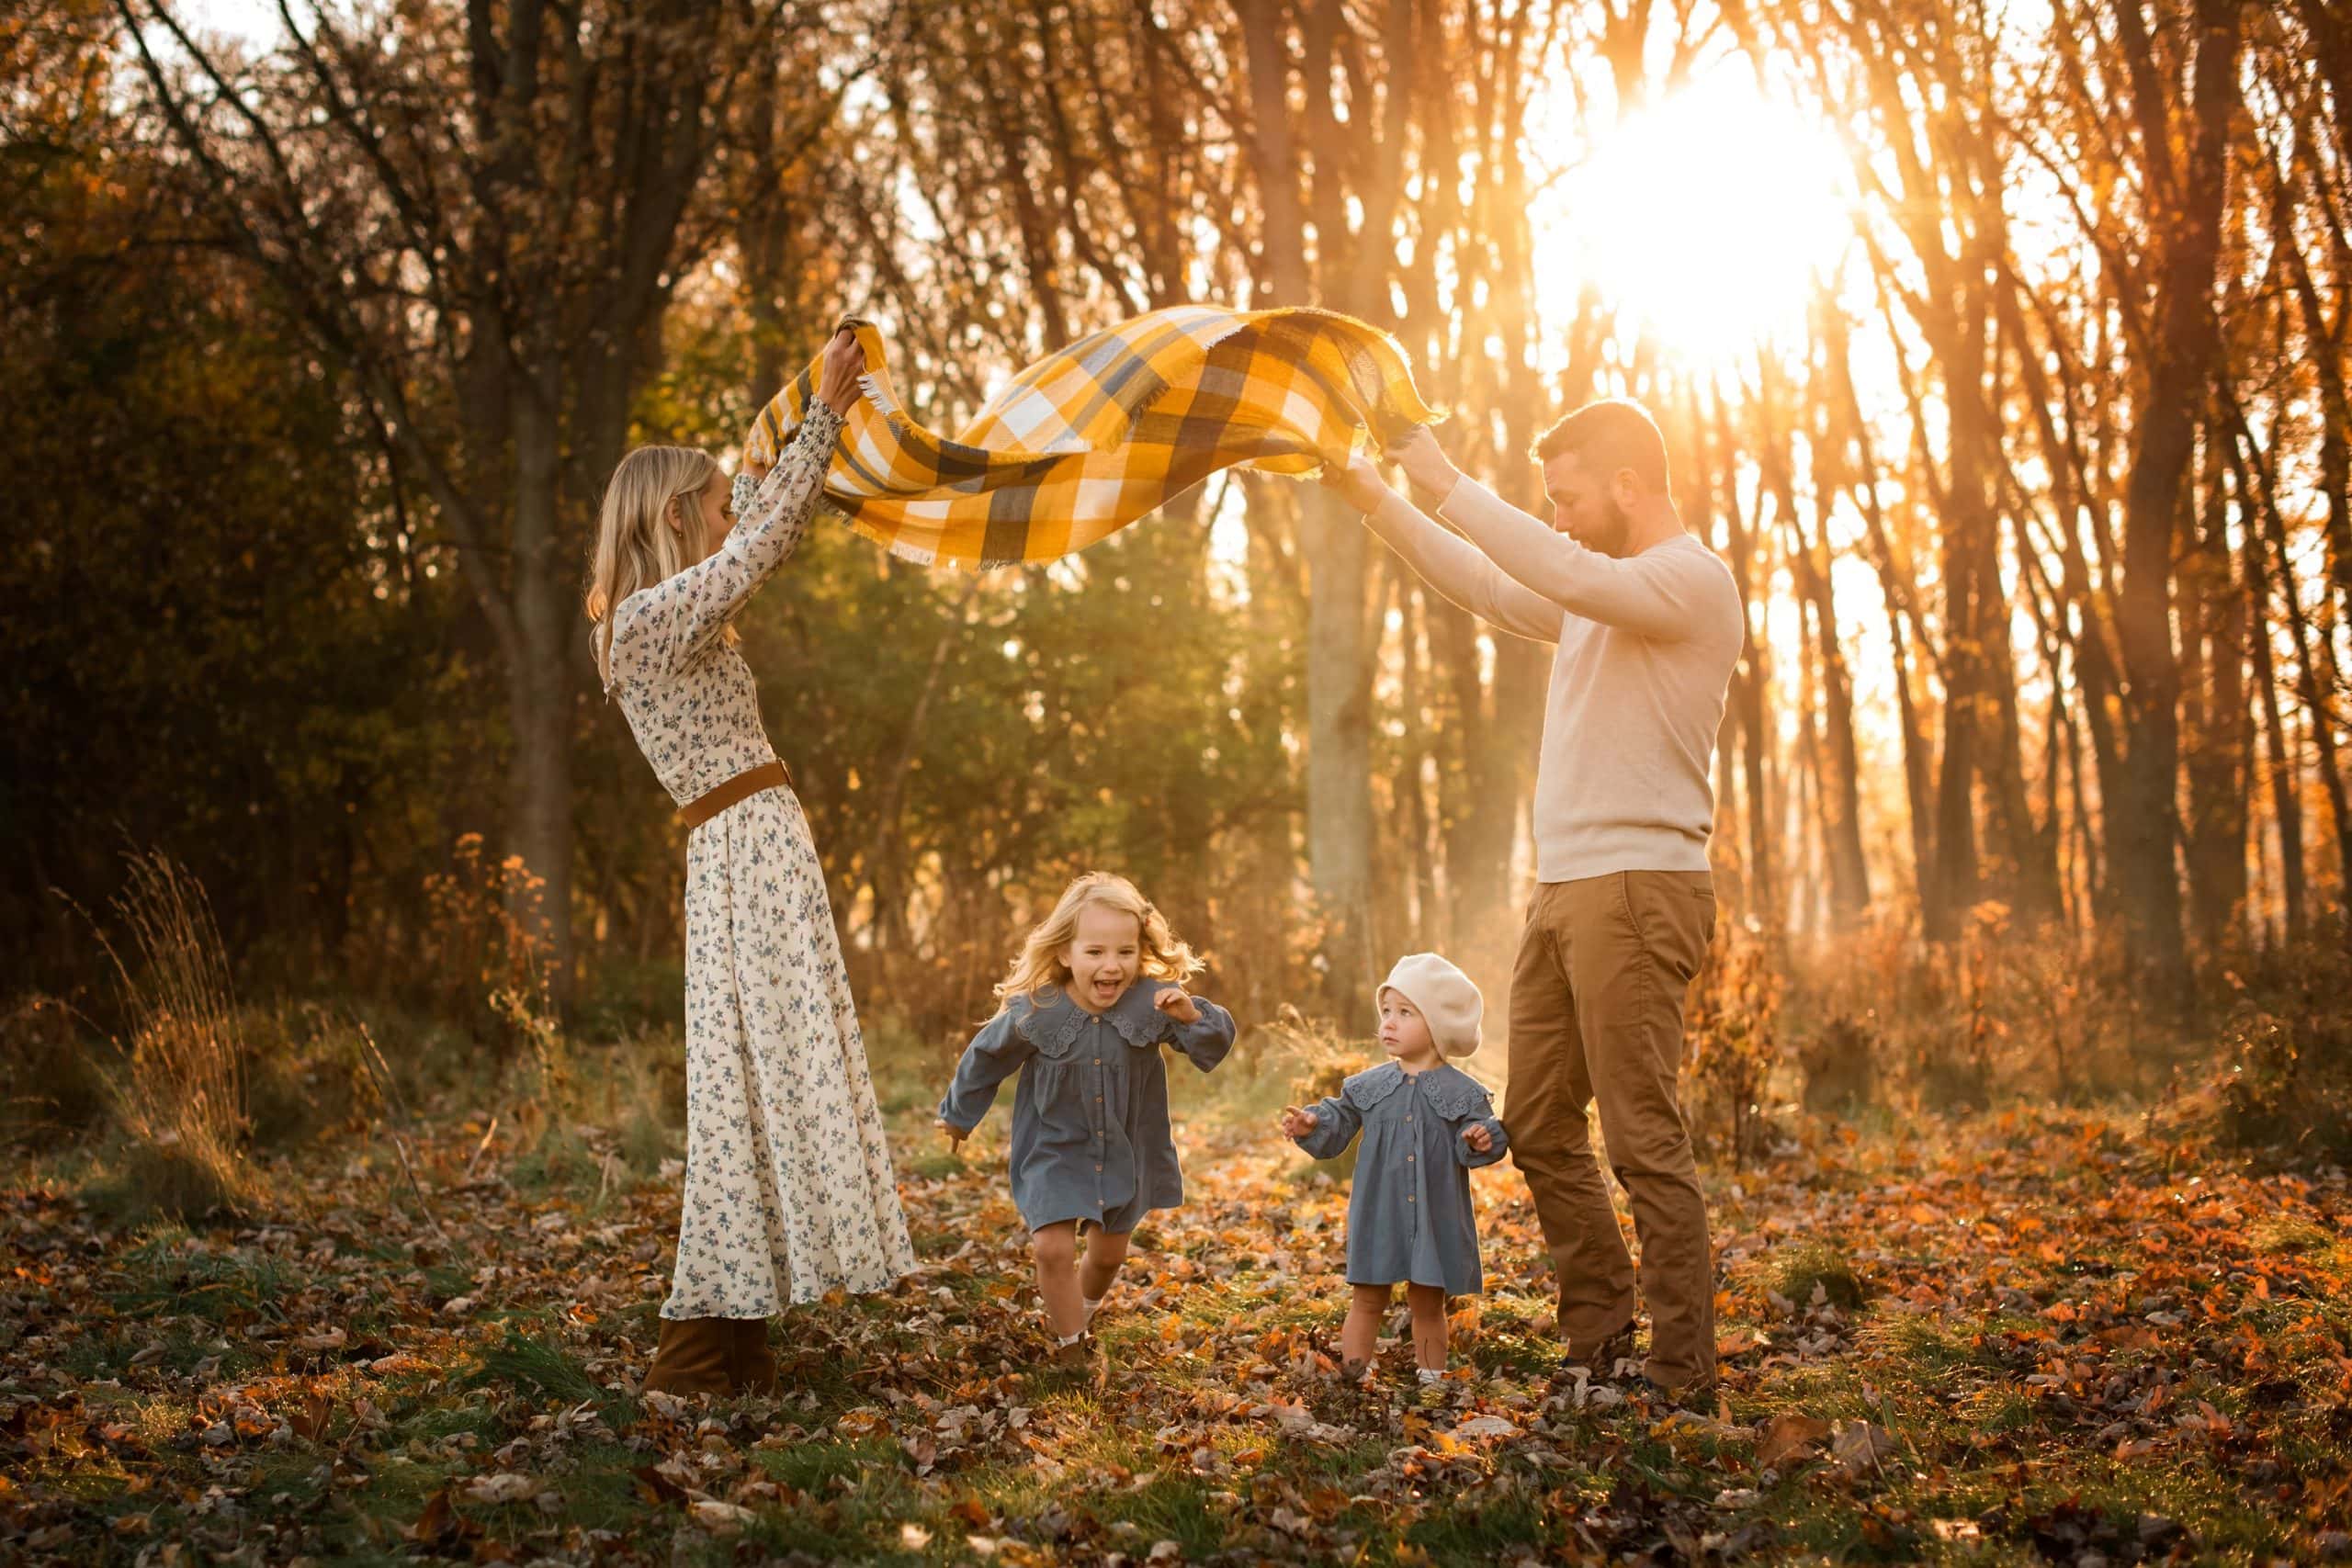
(1596, 1015)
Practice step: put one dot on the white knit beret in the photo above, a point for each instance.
(1445, 995)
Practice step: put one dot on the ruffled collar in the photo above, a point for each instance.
(1054, 1018)
(1450, 1086)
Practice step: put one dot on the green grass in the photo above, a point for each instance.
(647, 1139)
(936, 1166)
(537, 1366)
(808, 1466)
(161, 1274)
(1797, 1271)
(558, 1165)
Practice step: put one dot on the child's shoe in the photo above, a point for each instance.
(1083, 1353)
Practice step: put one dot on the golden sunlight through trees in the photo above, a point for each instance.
(1707, 219)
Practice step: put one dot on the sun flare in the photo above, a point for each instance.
(1700, 221)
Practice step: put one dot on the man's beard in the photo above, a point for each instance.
(1609, 538)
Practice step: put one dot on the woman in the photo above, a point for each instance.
(788, 1186)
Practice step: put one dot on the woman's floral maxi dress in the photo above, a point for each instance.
(788, 1189)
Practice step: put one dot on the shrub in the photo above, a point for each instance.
(1733, 1044)
(2286, 1060)
(2275, 1094)
(304, 1074)
(2006, 1009)
(148, 1173)
(1840, 1063)
(626, 995)
(636, 1088)
(487, 961)
(49, 1081)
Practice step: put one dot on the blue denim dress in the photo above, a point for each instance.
(1409, 1217)
(1091, 1137)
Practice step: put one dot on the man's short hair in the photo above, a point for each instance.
(1609, 434)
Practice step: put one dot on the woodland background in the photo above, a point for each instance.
(324, 349)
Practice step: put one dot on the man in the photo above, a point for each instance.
(1649, 624)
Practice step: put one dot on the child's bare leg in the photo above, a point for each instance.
(1366, 1305)
(1105, 1253)
(1055, 1247)
(1427, 1304)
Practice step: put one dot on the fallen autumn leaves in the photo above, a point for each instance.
(2017, 1338)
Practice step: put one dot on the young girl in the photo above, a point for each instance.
(788, 1187)
(1426, 1124)
(1098, 989)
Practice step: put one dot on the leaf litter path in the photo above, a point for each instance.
(2018, 1338)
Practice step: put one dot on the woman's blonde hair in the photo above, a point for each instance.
(1040, 963)
(636, 545)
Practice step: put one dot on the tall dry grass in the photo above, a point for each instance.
(180, 1090)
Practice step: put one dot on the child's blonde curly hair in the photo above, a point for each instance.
(1040, 963)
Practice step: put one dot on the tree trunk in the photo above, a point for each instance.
(2329, 28)
(2323, 351)
(1837, 779)
(1339, 754)
(1974, 656)
(1352, 269)
(1264, 28)
(2312, 689)
(2217, 730)
(1745, 698)
(1896, 589)
(2092, 651)
(1424, 925)
(2180, 353)
(2286, 799)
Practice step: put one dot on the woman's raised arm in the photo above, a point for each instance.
(666, 627)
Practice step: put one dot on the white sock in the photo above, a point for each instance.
(1430, 1374)
(1071, 1340)
(1092, 1304)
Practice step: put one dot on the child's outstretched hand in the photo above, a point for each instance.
(1478, 1139)
(1171, 1001)
(1297, 1124)
(956, 1135)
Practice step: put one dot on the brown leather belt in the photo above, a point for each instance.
(742, 786)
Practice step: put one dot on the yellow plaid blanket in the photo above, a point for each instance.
(1089, 439)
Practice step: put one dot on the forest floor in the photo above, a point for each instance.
(2074, 1336)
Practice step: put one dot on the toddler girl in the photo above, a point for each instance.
(1425, 1125)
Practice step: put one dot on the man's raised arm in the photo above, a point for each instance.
(1655, 596)
(1444, 560)
(1646, 596)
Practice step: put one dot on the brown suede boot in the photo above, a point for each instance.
(695, 1356)
(752, 1371)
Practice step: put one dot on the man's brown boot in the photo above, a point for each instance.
(695, 1356)
(754, 1365)
(1603, 1359)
